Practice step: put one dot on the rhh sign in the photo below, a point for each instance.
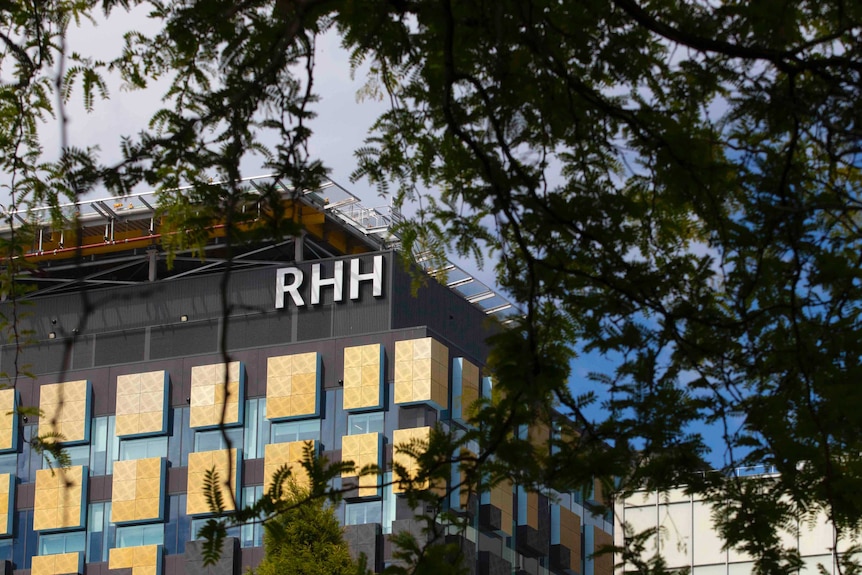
(288, 281)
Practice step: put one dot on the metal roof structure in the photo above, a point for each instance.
(121, 241)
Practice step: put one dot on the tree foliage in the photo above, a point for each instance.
(673, 185)
(305, 539)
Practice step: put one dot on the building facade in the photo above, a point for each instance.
(327, 341)
(685, 537)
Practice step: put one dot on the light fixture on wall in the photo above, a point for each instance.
(184, 318)
(52, 335)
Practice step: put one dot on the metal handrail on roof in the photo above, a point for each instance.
(378, 224)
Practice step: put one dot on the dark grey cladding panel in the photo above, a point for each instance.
(442, 311)
(466, 553)
(227, 564)
(130, 324)
(530, 541)
(560, 557)
(251, 292)
(490, 518)
(493, 564)
(365, 539)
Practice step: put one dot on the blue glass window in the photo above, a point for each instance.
(104, 447)
(359, 423)
(78, 454)
(143, 448)
(9, 463)
(251, 534)
(136, 535)
(285, 431)
(198, 523)
(214, 439)
(256, 429)
(26, 540)
(362, 513)
(54, 543)
(181, 438)
(176, 530)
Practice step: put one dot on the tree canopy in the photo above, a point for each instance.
(675, 185)
(305, 539)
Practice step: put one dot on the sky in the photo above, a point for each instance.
(340, 128)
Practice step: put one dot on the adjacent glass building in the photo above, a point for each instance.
(318, 338)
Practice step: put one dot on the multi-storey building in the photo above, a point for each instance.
(326, 342)
(683, 534)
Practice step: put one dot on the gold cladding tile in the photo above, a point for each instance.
(290, 454)
(151, 422)
(59, 500)
(226, 464)
(403, 371)
(153, 381)
(352, 376)
(501, 498)
(277, 407)
(404, 437)
(209, 394)
(302, 405)
(7, 502)
(149, 468)
(279, 366)
(370, 397)
(404, 392)
(129, 384)
(128, 404)
(142, 560)
(421, 372)
(352, 357)
(371, 375)
(64, 409)
(422, 390)
(122, 491)
(58, 564)
(352, 398)
(404, 351)
(279, 386)
(304, 383)
(422, 348)
(8, 419)
(305, 363)
(291, 387)
(151, 402)
(141, 399)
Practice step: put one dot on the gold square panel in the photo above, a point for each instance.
(213, 400)
(59, 564)
(129, 384)
(352, 357)
(226, 463)
(404, 351)
(422, 372)
(7, 503)
(291, 454)
(60, 499)
(362, 368)
(65, 410)
(501, 498)
(292, 383)
(402, 438)
(8, 420)
(362, 450)
(370, 396)
(127, 425)
(138, 490)
(142, 560)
